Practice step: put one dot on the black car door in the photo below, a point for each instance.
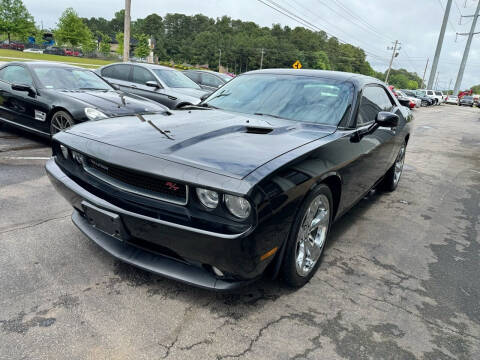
(371, 153)
(23, 108)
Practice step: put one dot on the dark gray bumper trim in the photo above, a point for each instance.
(154, 263)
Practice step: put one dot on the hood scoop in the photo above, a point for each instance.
(258, 130)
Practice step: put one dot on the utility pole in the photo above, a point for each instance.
(424, 72)
(126, 31)
(394, 55)
(261, 59)
(436, 81)
(449, 85)
(219, 59)
(458, 83)
(433, 71)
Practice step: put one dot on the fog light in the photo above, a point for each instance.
(217, 271)
(64, 151)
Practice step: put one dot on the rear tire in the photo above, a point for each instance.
(60, 120)
(392, 177)
(308, 236)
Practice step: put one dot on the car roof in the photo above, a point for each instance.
(358, 79)
(36, 64)
(145, 65)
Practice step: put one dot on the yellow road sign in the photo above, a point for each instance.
(297, 65)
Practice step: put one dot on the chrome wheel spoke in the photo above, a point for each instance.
(312, 234)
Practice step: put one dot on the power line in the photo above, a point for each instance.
(305, 23)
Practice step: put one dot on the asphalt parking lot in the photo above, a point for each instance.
(400, 277)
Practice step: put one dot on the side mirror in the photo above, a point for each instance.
(153, 84)
(386, 119)
(23, 87)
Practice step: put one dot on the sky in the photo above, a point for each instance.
(372, 25)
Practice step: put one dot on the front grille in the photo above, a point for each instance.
(138, 183)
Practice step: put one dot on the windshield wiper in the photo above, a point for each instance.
(271, 115)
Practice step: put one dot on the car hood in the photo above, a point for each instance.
(230, 144)
(115, 103)
(193, 95)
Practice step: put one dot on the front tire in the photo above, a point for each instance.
(61, 120)
(392, 177)
(308, 237)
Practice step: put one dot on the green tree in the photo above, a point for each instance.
(89, 45)
(142, 49)
(71, 29)
(476, 89)
(105, 45)
(15, 19)
(412, 84)
(322, 62)
(119, 38)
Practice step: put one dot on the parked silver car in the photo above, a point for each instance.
(208, 80)
(165, 85)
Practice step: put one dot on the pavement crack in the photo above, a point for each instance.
(34, 224)
(190, 347)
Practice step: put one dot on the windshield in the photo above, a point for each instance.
(299, 98)
(175, 79)
(60, 78)
(421, 92)
(468, 97)
(438, 93)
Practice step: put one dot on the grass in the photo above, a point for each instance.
(5, 54)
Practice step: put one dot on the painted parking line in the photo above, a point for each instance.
(26, 157)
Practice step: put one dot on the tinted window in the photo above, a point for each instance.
(175, 79)
(439, 93)
(52, 77)
(429, 92)
(119, 72)
(142, 75)
(16, 74)
(374, 100)
(298, 98)
(211, 80)
(195, 76)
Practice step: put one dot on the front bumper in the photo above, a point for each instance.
(197, 249)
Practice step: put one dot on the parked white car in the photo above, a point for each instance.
(438, 99)
(451, 99)
(33, 50)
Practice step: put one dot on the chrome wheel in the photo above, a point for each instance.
(399, 165)
(312, 235)
(60, 121)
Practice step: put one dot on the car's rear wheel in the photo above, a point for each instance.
(308, 237)
(392, 177)
(61, 120)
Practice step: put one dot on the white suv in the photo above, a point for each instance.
(437, 96)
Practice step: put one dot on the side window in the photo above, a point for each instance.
(211, 80)
(429, 92)
(374, 99)
(119, 72)
(195, 76)
(141, 75)
(16, 74)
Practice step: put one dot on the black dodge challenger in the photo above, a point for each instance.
(247, 183)
(47, 97)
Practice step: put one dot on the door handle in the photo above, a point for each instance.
(133, 86)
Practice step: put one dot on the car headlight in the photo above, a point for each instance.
(64, 151)
(238, 206)
(208, 198)
(77, 157)
(94, 114)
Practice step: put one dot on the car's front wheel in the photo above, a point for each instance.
(61, 120)
(308, 237)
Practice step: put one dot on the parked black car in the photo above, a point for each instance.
(248, 182)
(54, 50)
(466, 101)
(425, 100)
(165, 85)
(46, 97)
(208, 80)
